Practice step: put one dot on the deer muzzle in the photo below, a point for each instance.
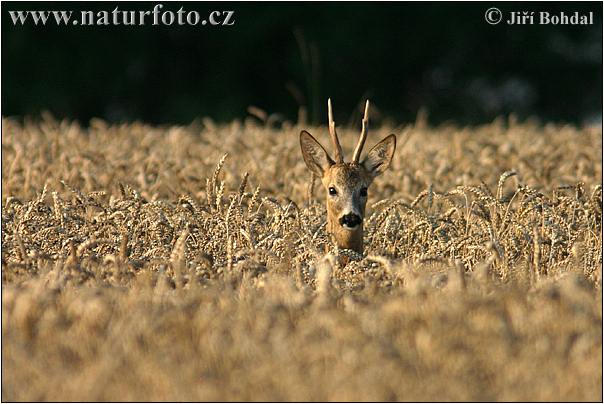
(350, 221)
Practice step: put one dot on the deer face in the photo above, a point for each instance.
(346, 184)
(346, 188)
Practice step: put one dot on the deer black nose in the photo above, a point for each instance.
(350, 220)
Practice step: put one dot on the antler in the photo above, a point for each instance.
(334, 136)
(357, 151)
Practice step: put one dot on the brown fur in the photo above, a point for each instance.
(349, 178)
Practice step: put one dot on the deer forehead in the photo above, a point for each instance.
(347, 176)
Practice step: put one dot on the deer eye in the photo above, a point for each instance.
(364, 191)
(332, 191)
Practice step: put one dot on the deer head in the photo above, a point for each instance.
(346, 184)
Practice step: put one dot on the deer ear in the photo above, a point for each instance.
(316, 158)
(379, 157)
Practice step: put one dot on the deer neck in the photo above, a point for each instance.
(349, 239)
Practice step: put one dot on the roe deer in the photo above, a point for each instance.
(346, 183)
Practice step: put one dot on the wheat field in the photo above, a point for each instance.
(153, 263)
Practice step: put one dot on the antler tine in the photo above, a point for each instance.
(334, 136)
(357, 151)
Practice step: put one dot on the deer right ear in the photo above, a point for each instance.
(316, 158)
(379, 157)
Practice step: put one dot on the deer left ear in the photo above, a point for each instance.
(379, 157)
(316, 158)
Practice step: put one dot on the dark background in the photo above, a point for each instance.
(441, 57)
